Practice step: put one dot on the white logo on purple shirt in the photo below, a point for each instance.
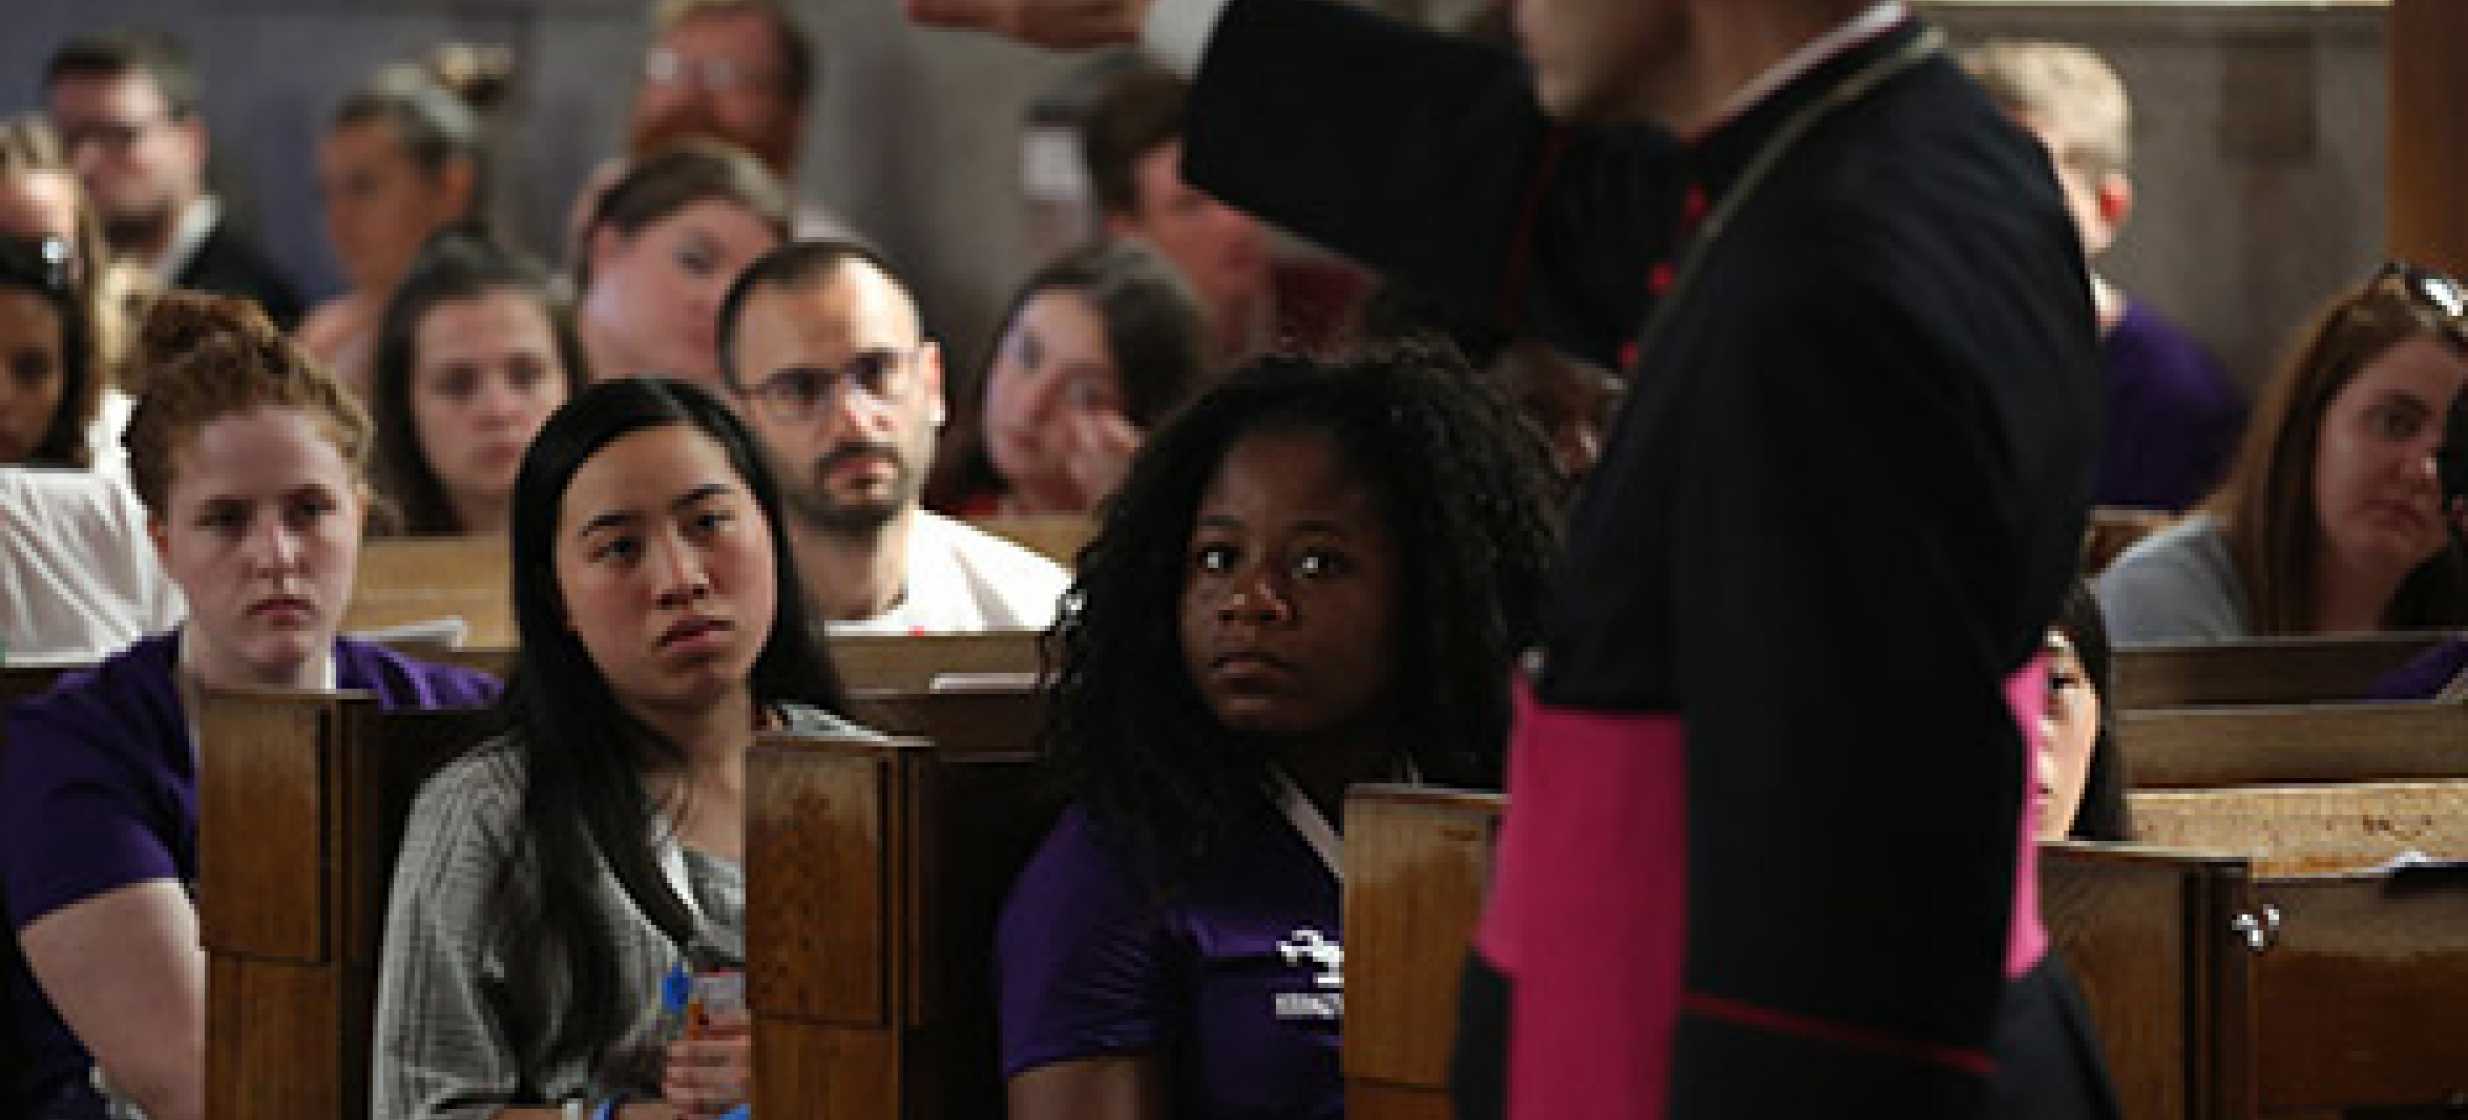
(1309, 948)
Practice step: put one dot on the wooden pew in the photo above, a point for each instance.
(301, 801)
(2219, 992)
(415, 579)
(875, 871)
(2261, 670)
(915, 662)
(2287, 744)
(1418, 862)
(1056, 536)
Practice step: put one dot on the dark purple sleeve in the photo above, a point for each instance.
(75, 820)
(1083, 966)
(2423, 675)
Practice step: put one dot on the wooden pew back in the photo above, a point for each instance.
(2261, 670)
(2202, 748)
(302, 799)
(2110, 530)
(1056, 536)
(415, 579)
(915, 662)
(1418, 863)
(875, 872)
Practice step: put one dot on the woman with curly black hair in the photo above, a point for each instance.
(1317, 575)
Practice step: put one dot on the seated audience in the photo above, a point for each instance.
(1315, 576)
(472, 356)
(828, 363)
(248, 458)
(40, 198)
(48, 389)
(551, 880)
(1096, 348)
(2172, 413)
(2332, 519)
(126, 107)
(660, 251)
(403, 158)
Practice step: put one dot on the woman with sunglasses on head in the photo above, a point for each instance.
(248, 457)
(49, 391)
(40, 199)
(2332, 519)
(552, 880)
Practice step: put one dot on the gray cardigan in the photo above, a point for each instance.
(2177, 585)
(445, 1042)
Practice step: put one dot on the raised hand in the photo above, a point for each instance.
(1044, 23)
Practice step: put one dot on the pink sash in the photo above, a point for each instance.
(1588, 913)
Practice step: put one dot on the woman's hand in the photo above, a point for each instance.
(1099, 454)
(713, 1072)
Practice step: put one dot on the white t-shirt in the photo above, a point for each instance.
(105, 455)
(963, 579)
(78, 578)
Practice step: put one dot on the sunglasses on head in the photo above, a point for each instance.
(45, 263)
(2434, 293)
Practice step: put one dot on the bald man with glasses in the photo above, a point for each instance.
(825, 358)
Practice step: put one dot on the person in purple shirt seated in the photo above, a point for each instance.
(248, 458)
(2173, 416)
(1317, 575)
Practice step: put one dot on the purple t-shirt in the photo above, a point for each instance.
(1234, 979)
(2173, 416)
(98, 790)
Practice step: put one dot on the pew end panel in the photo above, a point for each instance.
(1418, 864)
(302, 800)
(875, 873)
(2146, 934)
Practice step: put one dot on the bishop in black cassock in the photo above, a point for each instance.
(1766, 853)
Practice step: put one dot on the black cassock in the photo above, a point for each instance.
(1765, 836)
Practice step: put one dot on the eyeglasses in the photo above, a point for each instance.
(798, 394)
(46, 263)
(114, 136)
(663, 66)
(2436, 294)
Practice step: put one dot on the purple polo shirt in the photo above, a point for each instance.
(1234, 979)
(2173, 416)
(98, 790)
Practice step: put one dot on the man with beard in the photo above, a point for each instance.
(125, 106)
(824, 353)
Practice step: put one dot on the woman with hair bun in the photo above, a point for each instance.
(247, 456)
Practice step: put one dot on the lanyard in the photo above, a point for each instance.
(1762, 165)
(1309, 824)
